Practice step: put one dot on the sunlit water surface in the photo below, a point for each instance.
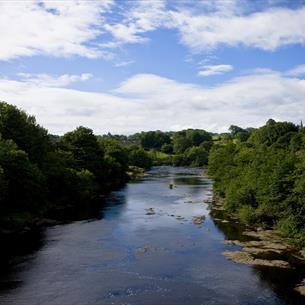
(127, 256)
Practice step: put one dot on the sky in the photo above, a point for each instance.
(124, 66)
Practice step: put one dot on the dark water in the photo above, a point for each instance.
(128, 257)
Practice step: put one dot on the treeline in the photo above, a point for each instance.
(42, 175)
(260, 172)
(182, 148)
(261, 175)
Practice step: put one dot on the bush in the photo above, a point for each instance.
(262, 179)
(246, 215)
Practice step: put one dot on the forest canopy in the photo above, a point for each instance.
(263, 178)
(260, 172)
(42, 175)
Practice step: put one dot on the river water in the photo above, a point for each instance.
(143, 248)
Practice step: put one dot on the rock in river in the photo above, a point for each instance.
(301, 287)
(246, 258)
(150, 211)
(198, 220)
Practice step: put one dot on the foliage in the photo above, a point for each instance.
(154, 139)
(260, 172)
(183, 148)
(239, 133)
(137, 156)
(16, 125)
(41, 173)
(184, 139)
(22, 182)
(262, 178)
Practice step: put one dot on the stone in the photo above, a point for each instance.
(150, 211)
(246, 258)
(301, 288)
(198, 220)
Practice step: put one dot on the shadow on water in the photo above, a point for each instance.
(133, 257)
(281, 281)
(231, 230)
(18, 249)
(15, 250)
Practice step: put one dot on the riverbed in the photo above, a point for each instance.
(153, 242)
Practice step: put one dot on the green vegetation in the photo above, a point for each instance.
(259, 172)
(183, 148)
(261, 175)
(42, 175)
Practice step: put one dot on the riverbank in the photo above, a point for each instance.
(18, 230)
(125, 257)
(135, 172)
(257, 246)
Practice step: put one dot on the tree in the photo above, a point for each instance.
(16, 125)
(86, 151)
(154, 139)
(23, 182)
(115, 160)
(139, 157)
(271, 132)
(196, 156)
(184, 139)
(181, 142)
(239, 133)
(167, 148)
(234, 130)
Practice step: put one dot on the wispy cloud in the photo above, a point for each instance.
(125, 63)
(148, 101)
(210, 24)
(209, 70)
(94, 29)
(55, 28)
(46, 80)
(297, 71)
(138, 19)
(266, 30)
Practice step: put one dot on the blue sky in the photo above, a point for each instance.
(127, 66)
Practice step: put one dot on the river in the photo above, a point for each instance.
(144, 248)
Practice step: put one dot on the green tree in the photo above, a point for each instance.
(139, 157)
(23, 182)
(154, 139)
(196, 156)
(16, 125)
(185, 139)
(86, 151)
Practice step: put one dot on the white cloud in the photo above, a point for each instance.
(150, 102)
(206, 25)
(56, 28)
(209, 70)
(75, 27)
(140, 18)
(124, 63)
(223, 7)
(46, 80)
(266, 30)
(297, 71)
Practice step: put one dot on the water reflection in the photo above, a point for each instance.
(280, 281)
(130, 256)
(16, 251)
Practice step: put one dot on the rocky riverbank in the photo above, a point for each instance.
(259, 247)
(135, 172)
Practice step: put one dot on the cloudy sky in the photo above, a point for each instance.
(126, 66)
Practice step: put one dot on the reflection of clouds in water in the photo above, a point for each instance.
(172, 207)
(132, 258)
